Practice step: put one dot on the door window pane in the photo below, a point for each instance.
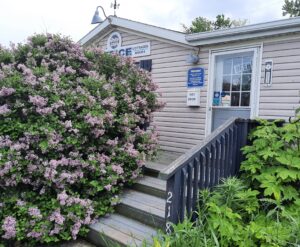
(235, 99)
(236, 83)
(233, 78)
(246, 85)
(247, 65)
(237, 65)
(226, 83)
(227, 66)
(245, 100)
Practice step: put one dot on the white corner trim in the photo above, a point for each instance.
(210, 82)
(259, 77)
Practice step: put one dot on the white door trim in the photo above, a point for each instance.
(255, 86)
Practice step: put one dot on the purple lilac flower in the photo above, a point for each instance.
(75, 229)
(112, 143)
(109, 102)
(70, 70)
(56, 230)
(34, 212)
(62, 198)
(93, 120)
(108, 187)
(38, 101)
(9, 227)
(5, 141)
(34, 234)
(57, 217)
(4, 109)
(6, 91)
(6, 168)
(118, 169)
(21, 203)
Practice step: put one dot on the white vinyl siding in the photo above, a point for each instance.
(282, 98)
(180, 127)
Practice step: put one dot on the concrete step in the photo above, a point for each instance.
(151, 185)
(118, 230)
(142, 207)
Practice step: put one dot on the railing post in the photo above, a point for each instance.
(172, 202)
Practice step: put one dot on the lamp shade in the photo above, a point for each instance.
(96, 18)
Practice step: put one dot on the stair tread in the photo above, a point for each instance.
(166, 157)
(152, 182)
(144, 202)
(124, 230)
(113, 233)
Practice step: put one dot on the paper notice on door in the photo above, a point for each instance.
(226, 100)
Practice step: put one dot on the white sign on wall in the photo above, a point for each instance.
(114, 41)
(193, 97)
(114, 45)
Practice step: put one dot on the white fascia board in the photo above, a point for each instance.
(280, 27)
(94, 32)
(135, 26)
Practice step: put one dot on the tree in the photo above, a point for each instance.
(222, 22)
(202, 24)
(72, 133)
(291, 8)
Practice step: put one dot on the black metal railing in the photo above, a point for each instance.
(218, 156)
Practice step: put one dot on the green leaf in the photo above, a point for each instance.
(289, 159)
(275, 190)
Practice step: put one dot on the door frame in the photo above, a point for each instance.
(255, 85)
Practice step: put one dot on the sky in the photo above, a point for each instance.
(22, 18)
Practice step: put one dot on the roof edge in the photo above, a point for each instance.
(136, 26)
(245, 32)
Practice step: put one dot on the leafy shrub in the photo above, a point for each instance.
(72, 132)
(273, 161)
(259, 209)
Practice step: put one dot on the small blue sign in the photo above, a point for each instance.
(217, 98)
(195, 77)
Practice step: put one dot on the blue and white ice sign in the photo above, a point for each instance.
(195, 77)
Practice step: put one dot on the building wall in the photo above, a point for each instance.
(180, 127)
(283, 97)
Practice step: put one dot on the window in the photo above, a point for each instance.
(145, 64)
(233, 79)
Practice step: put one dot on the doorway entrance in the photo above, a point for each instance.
(234, 86)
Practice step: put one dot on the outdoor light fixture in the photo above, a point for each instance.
(96, 18)
(192, 59)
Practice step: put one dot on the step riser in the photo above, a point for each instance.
(142, 216)
(102, 240)
(151, 172)
(149, 190)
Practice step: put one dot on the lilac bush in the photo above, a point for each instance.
(72, 133)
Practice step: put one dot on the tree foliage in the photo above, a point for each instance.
(72, 133)
(202, 24)
(291, 7)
